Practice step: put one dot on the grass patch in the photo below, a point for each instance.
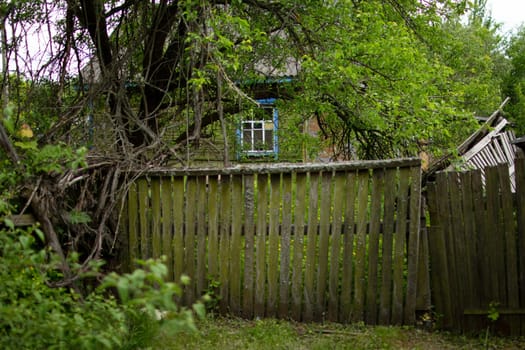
(233, 333)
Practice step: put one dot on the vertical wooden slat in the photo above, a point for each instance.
(298, 241)
(348, 249)
(456, 247)
(189, 238)
(385, 302)
(324, 236)
(335, 252)
(201, 235)
(520, 214)
(495, 238)
(273, 245)
(144, 212)
(249, 245)
(167, 223)
(465, 179)
(413, 246)
(133, 220)
(480, 258)
(399, 247)
(511, 248)
(311, 243)
(213, 229)
(284, 277)
(360, 249)
(236, 245)
(511, 260)
(260, 248)
(438, 256)
(470, 299)
(123, 234)
(423, 295)
(373, 246)
(178, 226)
(224, 242)
(156, 238)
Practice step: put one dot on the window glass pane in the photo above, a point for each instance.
(268, 139)
(247, 139)
(258, 142)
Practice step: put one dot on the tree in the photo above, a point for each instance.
(369, 71)
(514, 83)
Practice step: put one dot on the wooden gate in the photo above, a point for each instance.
(477, 249)
(332, 241)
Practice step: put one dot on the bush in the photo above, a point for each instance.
(36, 316)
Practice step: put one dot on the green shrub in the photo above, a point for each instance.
(35, 316)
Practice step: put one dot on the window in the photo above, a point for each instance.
(258, 136)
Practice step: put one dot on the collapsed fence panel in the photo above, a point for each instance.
(335, 242)
(476, 249)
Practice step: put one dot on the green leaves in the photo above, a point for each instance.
(36, 316)
(78, 217)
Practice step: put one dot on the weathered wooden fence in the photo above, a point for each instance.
(477, 249)
(333, 241)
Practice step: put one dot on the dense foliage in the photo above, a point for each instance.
(92, 89)
(33, 315)
(514, 83)
(377, 76)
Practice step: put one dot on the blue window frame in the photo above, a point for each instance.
(258, 137)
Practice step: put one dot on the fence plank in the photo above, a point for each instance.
(479, 257)
(335, 253)
(456, 245)
(260, 249)
(133, 220)
(224, 242)
(360, 248)
(520, 214)
(279, 168)
(494, 240)
(470, 300)
(511, 258)
(166, 204)
(145, 235)
(284, 278)
(189, 238)
(324, 236)
(236, 245)
(399, 247)
(249, 245)
(413, 246)
(373, 245)
(440, 280)
(519, 176)
(348, 249)
(385, 301)
(273, 245)
(298, 241)
(311, 242)
(213, 230)
(423, 295)
(465, 179)
(201, 270)
(156, 239)
(178, 226)
(123, 247)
